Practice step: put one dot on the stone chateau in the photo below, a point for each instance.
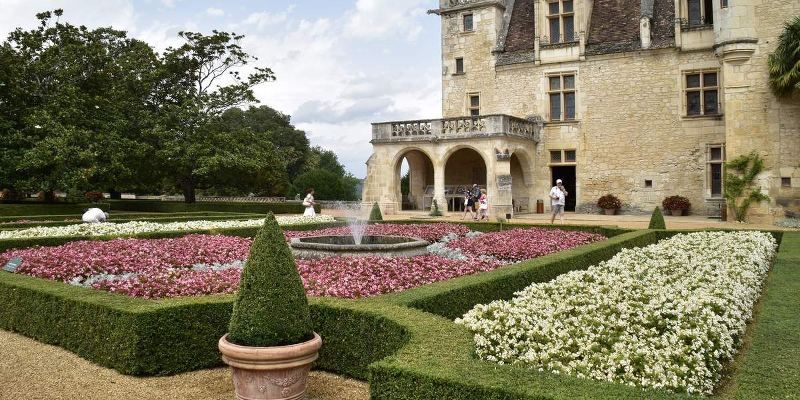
(639, 98)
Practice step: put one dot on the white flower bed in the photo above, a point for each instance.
(136, 227)
(668, 315)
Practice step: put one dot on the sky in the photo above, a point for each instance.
(340, 64)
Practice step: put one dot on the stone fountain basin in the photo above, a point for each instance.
(344, 245)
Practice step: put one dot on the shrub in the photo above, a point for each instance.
(435, 212)
(271, 308)
(676, 203)
(657, 220)
(94, 197)
(609, 202)
(375, 214)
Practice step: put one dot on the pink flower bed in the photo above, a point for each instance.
(355, 277)
(174, 283)
(522, 244)
(429, 232)
(87, 257)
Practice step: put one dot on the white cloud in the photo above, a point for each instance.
(22, 13)
(265, 19)
(380, 18)
(215, 12)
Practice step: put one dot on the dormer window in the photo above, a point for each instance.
(561, 21)
(699, 13)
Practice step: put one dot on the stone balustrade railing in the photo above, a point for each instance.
(460, 127)
(445, 4)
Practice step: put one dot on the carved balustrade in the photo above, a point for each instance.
(460, 127)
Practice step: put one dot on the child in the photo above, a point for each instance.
(484, 205)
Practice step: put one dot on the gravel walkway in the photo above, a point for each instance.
(31, 370)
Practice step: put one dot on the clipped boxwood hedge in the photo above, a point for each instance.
(289, 207)
(49, 209)
(406, 353)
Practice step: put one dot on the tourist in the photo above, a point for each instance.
(308, 203)
(94, 215)
(483, 202)
(558, 197)
(471, 196)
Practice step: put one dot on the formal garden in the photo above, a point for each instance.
(490, 311)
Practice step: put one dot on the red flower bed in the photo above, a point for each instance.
(89, 257)
(174, 283)
(522, 244)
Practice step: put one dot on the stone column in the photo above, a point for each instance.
(438, 186)
(499, 188)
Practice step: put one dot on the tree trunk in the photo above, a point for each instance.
(188, 188)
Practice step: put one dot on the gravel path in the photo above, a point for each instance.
(31, 370)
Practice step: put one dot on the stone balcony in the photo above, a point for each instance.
(434, 130)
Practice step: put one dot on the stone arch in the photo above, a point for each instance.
(421, 175)
(521, 169)
(463, 166)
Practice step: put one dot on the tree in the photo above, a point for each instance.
(784, 63)
(327, 185)
(740, 173)
(73, 103)
(199, 81)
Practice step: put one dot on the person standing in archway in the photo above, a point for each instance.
(558, 196)
(472, 196)
(484, 205)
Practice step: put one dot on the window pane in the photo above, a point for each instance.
(569, 29)
(692, 103)
(569, 156)
(569, 81)
(710, 102)
(555, 106)
(567, 6)
(710, 79)
(459, 65)
(474, 112)
(709, 12)
(723, 3)
(694, 12)
(553, 8)
(569, 105)
(716, 180)
(786, 182)
(555, 156)
(555, 33)
(716, 154)
(474, 101)
(468, 22)
(555, 82)
(693, 81)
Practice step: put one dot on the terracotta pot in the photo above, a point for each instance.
(267, 373)
(610, 211)
(676, 213)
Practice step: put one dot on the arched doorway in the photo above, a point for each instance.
(414, 180)
(521, 171)
(464, 167)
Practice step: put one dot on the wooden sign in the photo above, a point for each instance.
(12, 264)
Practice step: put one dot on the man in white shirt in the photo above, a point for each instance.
(94, 215)
(558, 197)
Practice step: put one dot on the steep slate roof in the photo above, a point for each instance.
(521, 28)
(614, 28)
(615, 25)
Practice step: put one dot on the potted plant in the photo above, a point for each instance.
(270, 344)
(676, 204)
(609, 203)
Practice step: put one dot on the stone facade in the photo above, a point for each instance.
(631, 133)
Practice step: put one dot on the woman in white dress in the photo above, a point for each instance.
(308, 202)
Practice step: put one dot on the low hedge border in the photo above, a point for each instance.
(406, 353)
(118, 214)
(49, 208)
(289, 207)
(141, 219)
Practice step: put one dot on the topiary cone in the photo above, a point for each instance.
(375, 214)
(271, 308)
(657, 220)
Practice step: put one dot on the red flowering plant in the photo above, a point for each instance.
(676, 203)
(522, 244)
(94, 197)
(609, 202)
